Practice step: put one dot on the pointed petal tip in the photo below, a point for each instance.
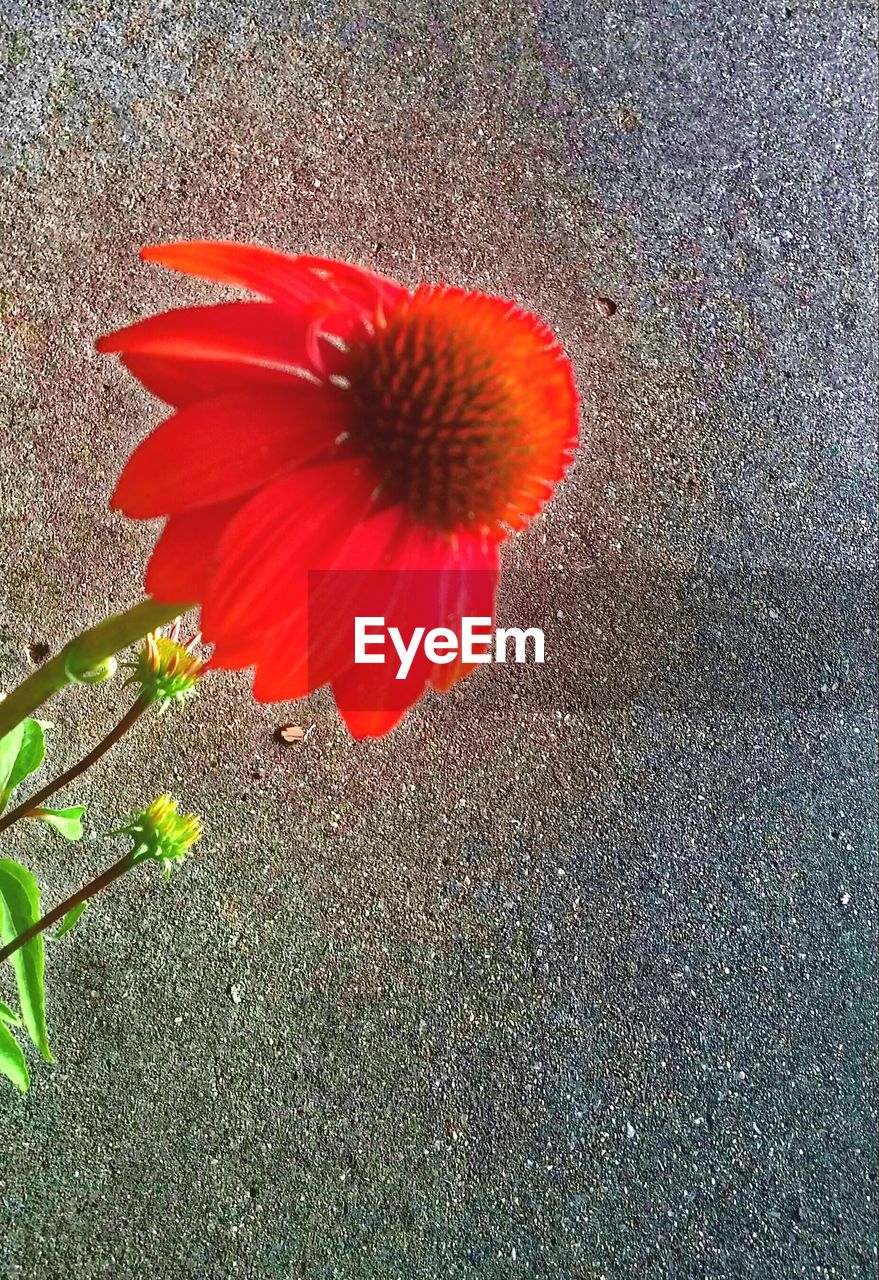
(260, 695)
(157, 252)
(173, 253)
(363, 725)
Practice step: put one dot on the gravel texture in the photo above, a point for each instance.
(574, 975)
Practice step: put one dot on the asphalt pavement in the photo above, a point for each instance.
(573, 976)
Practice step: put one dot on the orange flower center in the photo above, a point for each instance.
(444, 408)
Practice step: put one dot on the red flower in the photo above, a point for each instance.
(345, 424)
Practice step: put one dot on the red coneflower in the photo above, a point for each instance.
(345, 424)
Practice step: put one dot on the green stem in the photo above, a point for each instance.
(132, 715)
(58, 913)
(83, 654)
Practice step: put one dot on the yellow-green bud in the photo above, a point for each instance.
(165, 670)
(161, 834)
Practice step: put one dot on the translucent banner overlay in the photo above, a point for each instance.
(779, 640)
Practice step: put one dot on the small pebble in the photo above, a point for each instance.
(605, 307)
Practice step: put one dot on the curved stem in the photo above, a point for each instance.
(58, 913)
(88, 650)
(132, 715)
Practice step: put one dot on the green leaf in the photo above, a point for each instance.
(9, 748)
(21, 753)
(9, 1015)
(12, 1062)
(20, 908)
(67, 822)
(30, 753)
(70, 920)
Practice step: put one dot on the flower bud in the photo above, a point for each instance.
(166, 670)
(92, 673)
(161, 834)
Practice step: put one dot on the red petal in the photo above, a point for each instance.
(183, 558)
(251, 266)
(366, 724)
(180, 382)
(276, 275)
(439, 583)
(314, 644)
(265, 554)
(371, 700)
(424, 580)
(260, 333)
(472, 585)
(364, 288)
(217, 449)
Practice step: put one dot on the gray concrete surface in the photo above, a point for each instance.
(576, 983)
